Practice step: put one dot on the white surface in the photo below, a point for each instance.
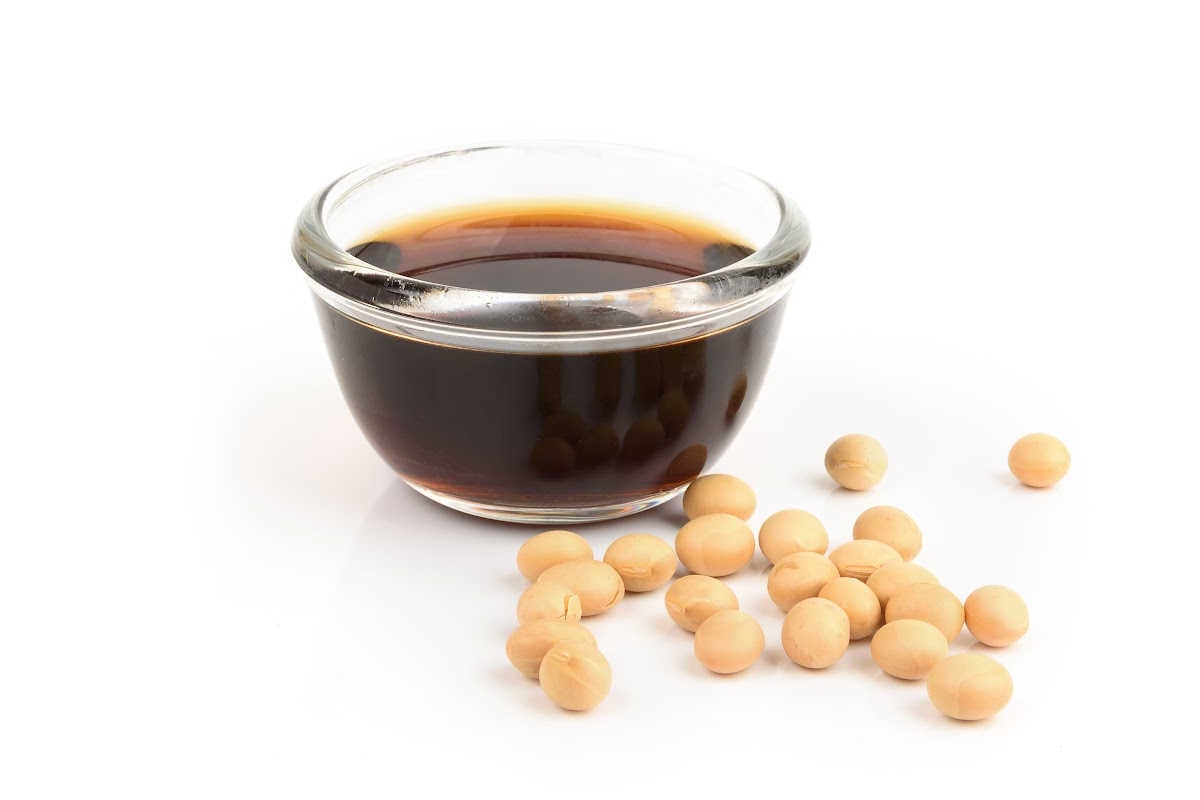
(212, 587)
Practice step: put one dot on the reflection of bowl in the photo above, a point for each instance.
(551, 407)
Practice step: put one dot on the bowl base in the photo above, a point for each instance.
(547, 516)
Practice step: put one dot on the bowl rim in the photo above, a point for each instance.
(463, 316)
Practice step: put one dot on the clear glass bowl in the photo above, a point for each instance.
(460, 389)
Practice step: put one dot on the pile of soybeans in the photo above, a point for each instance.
(866, 587)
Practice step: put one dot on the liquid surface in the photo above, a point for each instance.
(550, 249)
(550, 430)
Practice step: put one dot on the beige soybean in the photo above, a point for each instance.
(728, 642)
(861, 557)
(543, 551)
(597, 584)
(719, 494)
(860, 604)
(799, 577)
(694, 598)
(548, 600)
(644, 562)
(996, 615)
(856, 462)
(1039, 460)
(715, 545)
(908, 648)
(575, 675)
(969, 686)
(889, 579)
(891, 526)
(528, 644)
(816, 633)
(930, 602)
(791, 531)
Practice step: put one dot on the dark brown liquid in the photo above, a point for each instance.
(550, 430)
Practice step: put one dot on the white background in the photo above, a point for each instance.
(211, 587)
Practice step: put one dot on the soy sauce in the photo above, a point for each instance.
(552, 431)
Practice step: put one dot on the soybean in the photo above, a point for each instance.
(891, 526)
(715, 545)
(816, 633)
(857, 462)
(543, 551)
(644, 562)
(548, 600)
(528, 644)
(930, 602)
(861, 557)
(908, 648)
(694, 598)
(576, 676)
(728, 642)
(996, 615)
(890, 579)
(597, 584)
(799, 577)
(860, 604)
(969, 686)
(719, 494)
(1039, 460)
(791, 531)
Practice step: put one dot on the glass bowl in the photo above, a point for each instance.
(550, 408)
